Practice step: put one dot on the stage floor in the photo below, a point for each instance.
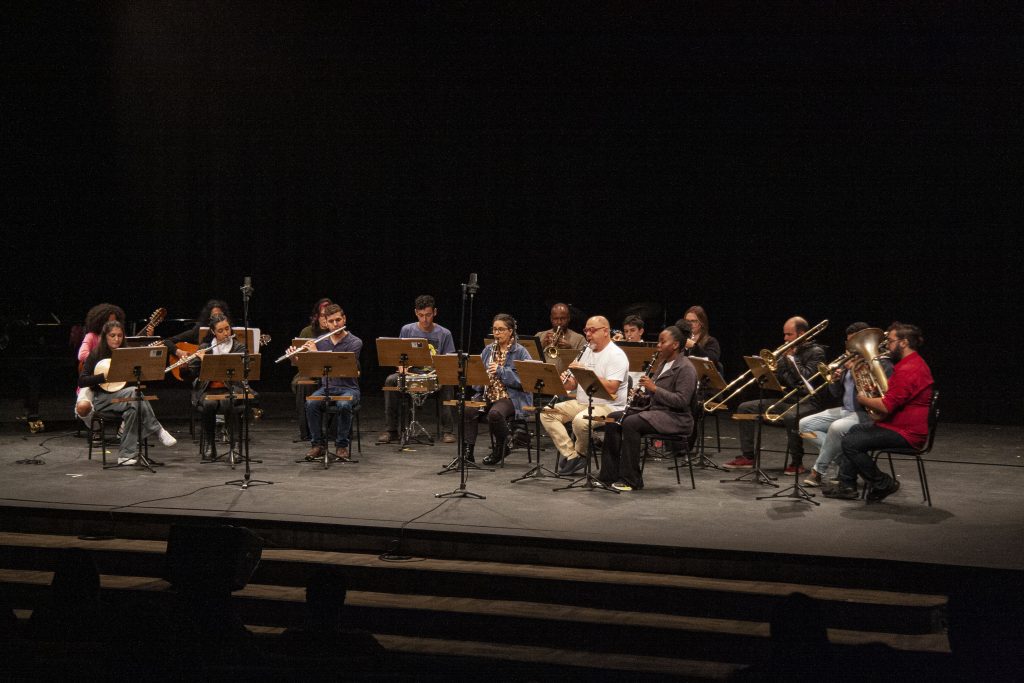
(976, 476)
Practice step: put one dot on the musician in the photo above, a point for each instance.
(560, 335)
(830, 425)
(341, 340)
(632, 330)
(191, 336)
(98, 316)
(901, 418)
(504, 392)
(611, 366)
(700, 342)
(317, 326)
(796, 364)
(223, 341)
(441, 341)
(112, 337)
(663, 408)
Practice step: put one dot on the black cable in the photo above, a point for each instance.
(390, 554)
(37, 459)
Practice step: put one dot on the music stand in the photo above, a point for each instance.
(328, 364)
(136, 342)
(591, 385)
(227, 368)
(542, 378)
(247, 336)
(638, 353)
(404, 353)
(796, 491)
(135, 365)
(766, 380)
(707, 376)
(448, 372)
(566, 357)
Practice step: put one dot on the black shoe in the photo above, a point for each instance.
(496, 456)
(877, 494)
(842, 492)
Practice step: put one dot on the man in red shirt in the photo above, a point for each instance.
(901, 418)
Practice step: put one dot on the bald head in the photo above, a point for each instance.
(598, 332)
(793, 328)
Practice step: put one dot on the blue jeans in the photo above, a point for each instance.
(829, 427)
(315, 411)
(857, 445)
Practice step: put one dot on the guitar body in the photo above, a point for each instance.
(189, 350)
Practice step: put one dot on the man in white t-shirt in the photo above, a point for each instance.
(611, 366)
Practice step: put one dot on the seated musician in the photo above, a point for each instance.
(341, 341)
(611, 366)
(441, 341)
(661, 406)
(632, 331)
(317, 326)
(98, 316)
(504, 392)
(796, 364)
(901, 418)
(560, 336)
(191, 336)
(104, 401)
(700, 343)
(831, 425)
(223, 341)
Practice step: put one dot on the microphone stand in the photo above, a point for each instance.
(246, 481)
(464, 331)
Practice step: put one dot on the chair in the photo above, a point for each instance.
(677, 440)
(334, 407)
(98, 429)
(917, 454)
(514, 423)
(331, 409)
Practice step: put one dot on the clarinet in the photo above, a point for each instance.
(649, 368)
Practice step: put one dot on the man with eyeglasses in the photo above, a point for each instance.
(611, 366)
(901, 418)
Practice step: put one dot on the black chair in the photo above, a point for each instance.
(677, 445)
(98, 432)
(917, 454)
(334, 407)
(523, 426)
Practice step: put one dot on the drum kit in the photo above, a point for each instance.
(418, 385)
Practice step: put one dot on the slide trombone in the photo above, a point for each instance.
(868, 344)
(300, 349)
(770, 358)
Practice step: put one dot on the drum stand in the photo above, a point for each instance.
(414, 430)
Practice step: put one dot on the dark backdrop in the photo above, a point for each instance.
(842, 164)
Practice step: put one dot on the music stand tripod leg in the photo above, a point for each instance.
(589, 481)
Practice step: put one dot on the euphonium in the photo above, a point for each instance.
(551, 351)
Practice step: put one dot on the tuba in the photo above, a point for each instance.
(868, 373)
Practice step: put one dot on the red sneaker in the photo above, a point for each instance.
(740, 463)
(792, 469)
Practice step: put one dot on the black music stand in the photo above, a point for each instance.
(328, 364)
(796, 491)
(451, 371)
(543, 378)
(707, 376)
(403, 354)
(592, 387)
(135, 365)
(228, 368)
(766, 380)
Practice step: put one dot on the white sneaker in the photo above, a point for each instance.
(127, 461)
(165, 438)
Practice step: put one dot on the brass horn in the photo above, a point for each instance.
(770, 358)
(551, 350)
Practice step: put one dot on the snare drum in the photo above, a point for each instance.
(421, 383)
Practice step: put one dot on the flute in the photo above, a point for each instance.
(300, 349)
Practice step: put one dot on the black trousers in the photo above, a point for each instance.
(497, 415)
(620, 455)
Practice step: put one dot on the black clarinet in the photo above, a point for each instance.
(649, 368)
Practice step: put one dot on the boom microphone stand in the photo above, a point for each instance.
(246, 481)
(471, 288)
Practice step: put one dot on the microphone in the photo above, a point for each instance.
(473, 287)
(247, 288)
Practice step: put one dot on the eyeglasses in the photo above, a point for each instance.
(499, 329)
(592, 330)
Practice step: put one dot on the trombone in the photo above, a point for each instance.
(770, 358)
(867, 344)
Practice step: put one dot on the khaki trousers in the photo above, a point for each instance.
(565, 411)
